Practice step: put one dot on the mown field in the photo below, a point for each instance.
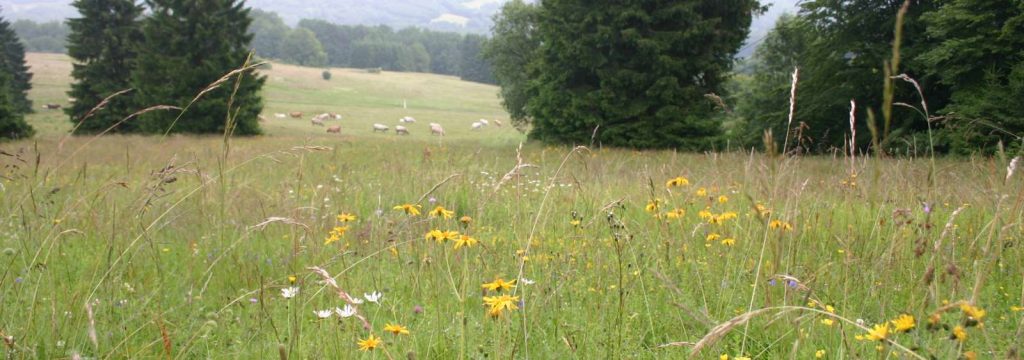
(134, 247)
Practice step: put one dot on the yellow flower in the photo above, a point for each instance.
(970, 355)
(705, 214)
(435, 235)
(712, 237)
(464, 240)
(723, 357)
(762, 210)
(728, 215)
(959, 334)
(292, 279)
(777, 224)
(723, 199)
(336, 233)
(676, 214)
(903, 323)
(409, 209)
(465, 220)
(973, 312)
(742, 358)
(728, 241)
(396, 329)
(879, 332)
(333, 237)
(346, 217)
(575, 223)
(1016, 308)
(498, 304)
(830, 309)
(440, 211)
(820, 354)
(702, 192)
(369, 343)
(827, 322)
(653, 206)
(450, 235)
(499, 284)
(679, 181)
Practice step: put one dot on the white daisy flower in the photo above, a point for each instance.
(373, 297)
(323, 314)
(357, 301)
(346, 312)
(289, 292)
(526, 281)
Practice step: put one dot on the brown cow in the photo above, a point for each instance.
(296, 114)
(334, 129)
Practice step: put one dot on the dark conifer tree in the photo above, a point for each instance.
(189, 44)
(102, 43)
(12, 61)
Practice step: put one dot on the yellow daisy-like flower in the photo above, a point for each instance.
(498, 304)
(575, 222)
(712, 237)
(762, 210)
(335, 234)
(409, 209)
(723, 357)
(728, 241)
(820, 354)
(778, 224)
(723, 199)
(292, 279)
(827, 322)
(676, 214)
(346, 217)
(436, 235)
(879, 333)
(705, 214)
(728, 215)
(959, 334)
(702, 192)
(440, 211)
(331, 239)
(973, 312)
(370, 343)
(653, 206)
(499, 285)
(679, 181)
(903, 323)
(450, 235)
(465, 220)
(465, 240)
(396, 329)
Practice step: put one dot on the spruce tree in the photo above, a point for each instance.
(637, 72)
(189, 44)
(12, 123)
(102, 42)
(12, 61)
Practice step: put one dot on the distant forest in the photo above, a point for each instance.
(319, 43)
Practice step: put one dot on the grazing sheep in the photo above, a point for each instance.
(334, 129)
(322, 117)
(497, 123)
(407, 119)
(436, 129)
(401, 130)
(317, 122)
(380, 127)
(336, 116)
(280, 115)
(296, 114)
(477, 126)
(484, 121)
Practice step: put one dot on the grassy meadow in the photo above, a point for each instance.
(183, 247)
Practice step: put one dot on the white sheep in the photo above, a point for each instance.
(401, 130)
(280, 115)
(317, 122)
(380, 127)
(484, 121)
(477, 126)
(436, 129)
(407, 119)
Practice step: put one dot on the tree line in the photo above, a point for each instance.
(15, 81)
(321, 43)
(636, 75)
(48, 37)
(965, 56)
